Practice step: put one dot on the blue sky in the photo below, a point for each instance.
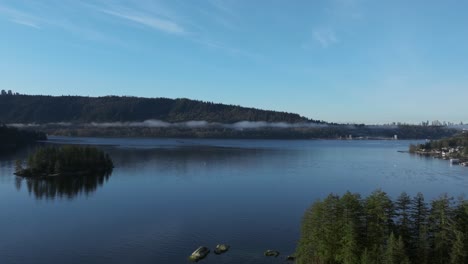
(335, 60)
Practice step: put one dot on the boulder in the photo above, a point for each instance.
(271, 253)
(220, 249)
(199, 254)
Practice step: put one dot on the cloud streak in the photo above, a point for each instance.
(151, 21)
(20, 18)
(25, 23)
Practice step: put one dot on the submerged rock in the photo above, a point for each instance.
(271, 253)
(290, 258)
(220, 249)
(199, 254)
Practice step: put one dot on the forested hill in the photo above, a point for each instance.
(16, 108)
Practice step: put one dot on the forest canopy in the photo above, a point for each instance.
(350, 229)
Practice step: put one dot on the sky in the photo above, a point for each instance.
(357, 61)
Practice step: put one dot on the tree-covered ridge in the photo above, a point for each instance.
(64, 160)
(353, 230)
(12, 138)
(15, 108)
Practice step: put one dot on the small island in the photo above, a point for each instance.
(64, 161)
(453, 148)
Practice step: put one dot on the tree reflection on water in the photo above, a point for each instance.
(67, 187)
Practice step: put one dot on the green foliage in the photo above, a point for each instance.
(458, 253)
(379, 214)
(440, 226)
(402, 213)
(419, 246)
(377, 230)
(66, 160)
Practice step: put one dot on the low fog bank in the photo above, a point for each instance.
(204, 124)
(188, 124)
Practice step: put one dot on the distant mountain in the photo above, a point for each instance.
(16, 108)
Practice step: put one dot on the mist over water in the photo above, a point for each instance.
(188, 124)
(200, 124)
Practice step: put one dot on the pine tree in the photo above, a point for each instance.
(441, 229)
(379, 219)
(419, 246)
(349, 250)
(395, 251)
(458, 255)
(366, 258)
(389, 257)
(351, 242)
(402, 211)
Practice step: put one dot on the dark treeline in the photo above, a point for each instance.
(352, 230)
(64, 160)
(16, 108)
(325, 132)
(13, 138)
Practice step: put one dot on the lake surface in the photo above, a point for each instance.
(166, 197)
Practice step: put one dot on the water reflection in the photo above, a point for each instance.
(68, 187)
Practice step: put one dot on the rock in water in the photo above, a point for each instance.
(199, 254)
(220, 249)
(290, 258)
(271, 253)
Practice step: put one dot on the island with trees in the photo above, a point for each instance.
(70, 160)
(349, 229)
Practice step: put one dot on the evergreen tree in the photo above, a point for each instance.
(419, 246)
(461, 232)
(441, 229)
(379, 222)
(390, 257)
(402, 211)
(458, 255)
(351, 242)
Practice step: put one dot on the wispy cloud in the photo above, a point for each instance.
(89, 20)
(325, 37)
(152, 21)
(19, 17)
(25, 23)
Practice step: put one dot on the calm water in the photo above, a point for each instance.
(167, 197)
